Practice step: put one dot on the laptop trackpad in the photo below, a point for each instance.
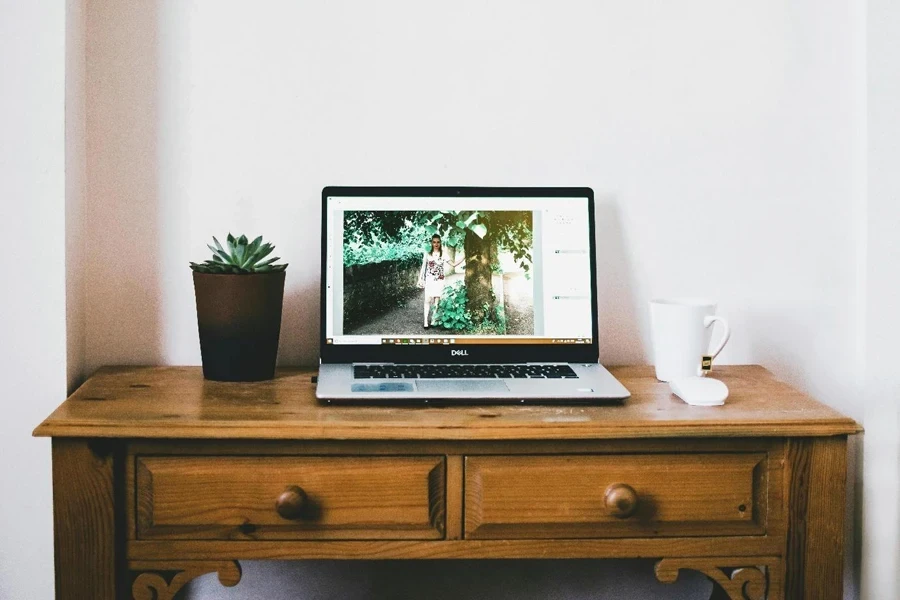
(441, 386)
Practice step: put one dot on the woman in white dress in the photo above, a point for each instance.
(431, 277)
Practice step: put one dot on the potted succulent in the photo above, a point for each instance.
(239, 295)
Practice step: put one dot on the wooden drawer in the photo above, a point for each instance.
(578, 496)
(235, 497)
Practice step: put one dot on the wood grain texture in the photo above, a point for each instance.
(151, 583)
(775, 573)
(825, 520)
(84, 519)
(515, 497)
(816, 482)
(454, 484)
(234, 497)
(620, 500)
(740, 578)
(130, 525)
(176, 402)
(440, 549)
(192, 484)
(167, 447)
(796, 502)
(292, 503)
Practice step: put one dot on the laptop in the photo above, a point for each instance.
(459, 295)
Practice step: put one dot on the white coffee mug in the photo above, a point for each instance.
(681, 331)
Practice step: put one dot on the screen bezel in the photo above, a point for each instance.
(477, 353)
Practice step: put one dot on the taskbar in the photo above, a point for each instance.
(441, 340)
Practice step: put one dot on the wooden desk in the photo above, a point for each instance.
(160, 476)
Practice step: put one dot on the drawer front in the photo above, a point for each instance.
(577, 496)
(289, 498)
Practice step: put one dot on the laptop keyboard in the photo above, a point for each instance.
(560, 371)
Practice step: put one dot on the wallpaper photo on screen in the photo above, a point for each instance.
(434, 272)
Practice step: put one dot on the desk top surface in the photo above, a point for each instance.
(176, 402)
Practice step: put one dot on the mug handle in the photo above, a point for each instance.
(707, 322)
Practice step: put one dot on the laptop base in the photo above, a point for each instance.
(593, 385)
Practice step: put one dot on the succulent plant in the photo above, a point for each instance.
(241, 257)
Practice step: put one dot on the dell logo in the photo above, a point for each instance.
(459, 353)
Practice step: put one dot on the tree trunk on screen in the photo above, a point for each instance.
(478, 275)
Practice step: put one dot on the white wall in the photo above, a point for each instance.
(32, 305)
(717, 135)
(76, 190)
(722, 138)
(881, 482)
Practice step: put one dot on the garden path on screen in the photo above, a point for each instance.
(407, 318)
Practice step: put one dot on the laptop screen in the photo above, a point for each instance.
(444, 270)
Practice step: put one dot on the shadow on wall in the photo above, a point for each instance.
(452, 580)
(124, 301)
(299, 341)
(620, 338)
(139, 301)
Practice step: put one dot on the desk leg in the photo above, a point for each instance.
(817, 477)
(84, 518)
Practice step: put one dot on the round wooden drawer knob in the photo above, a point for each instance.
(291, 502)
(621, 500)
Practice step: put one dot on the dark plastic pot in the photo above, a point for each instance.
(239, 318)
